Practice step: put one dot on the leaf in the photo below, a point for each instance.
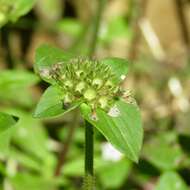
(120, 169)
(15, 83)
(124, 132)
(30, 135)
(26, 160)
(12, 10)
(117, 28)
(21, 7)
(70, 26)
(46, 56)
(6, 123)
(171, 181)
(51, 104)
(118, 66)
(12, 79)
(23, 181)
(163, 151)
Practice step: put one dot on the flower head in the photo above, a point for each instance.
(85, 80)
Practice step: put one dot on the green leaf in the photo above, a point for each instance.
(124, 132)
(32, 144)
(171, 181)
(21, 7)
(70, 26)
(25, 160)
(119, 67)
(13, 79)
(51, 104)
(163, 151)
(11, 10)
(6, 123)
(117, 28)
(23, 181)
(46, 56)
(15, 83)
(120, 169)
(30, 135)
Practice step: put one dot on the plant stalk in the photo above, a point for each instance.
(89, 155)
(96, 26)
(89, 181)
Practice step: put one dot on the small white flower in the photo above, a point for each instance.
(114, 111)
(110, 153)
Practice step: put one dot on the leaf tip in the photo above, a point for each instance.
(15, 118)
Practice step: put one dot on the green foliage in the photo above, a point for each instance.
(123, 131)
(118, 66)
(116, 28)
(171, 181)
(13, 79)
(16, 83)
(11, 10)
(164, 152)
(6, 123)
(31, 182)
(51, 104)
(70, 26)
(30, 147)
(46, 56)
(110, 170)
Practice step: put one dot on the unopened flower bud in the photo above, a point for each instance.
(68, 98)
(103, 101)
(79, 73)
(90, 94)
(80, 87)
(109, 84)
(63, 77)
(97, 82)
(68, 83)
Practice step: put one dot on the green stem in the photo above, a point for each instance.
(96, 26)
(89, 155)
(89, 182)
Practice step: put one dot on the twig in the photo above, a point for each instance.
(183, 23)
(140, 6)
(5, 34)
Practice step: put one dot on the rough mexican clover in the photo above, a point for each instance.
(88, 81)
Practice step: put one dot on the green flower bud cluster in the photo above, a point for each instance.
(87, 80)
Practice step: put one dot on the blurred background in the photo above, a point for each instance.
(153, 35)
